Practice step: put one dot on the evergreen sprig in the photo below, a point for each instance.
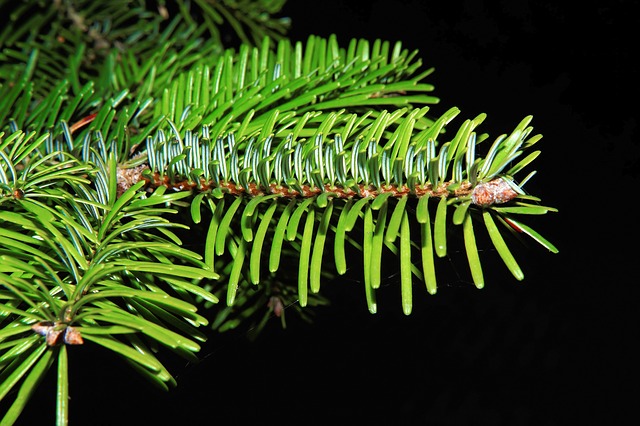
(77, 266)
(286, 188)
(126, 126)
(115, 44)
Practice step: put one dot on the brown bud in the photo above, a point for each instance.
(72, 336)
(495, 191)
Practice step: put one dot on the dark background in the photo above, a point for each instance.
(555, 349)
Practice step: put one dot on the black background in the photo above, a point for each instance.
(555, 349)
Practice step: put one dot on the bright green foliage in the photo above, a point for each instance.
(76, 258)
(132, 44)
(126, 126)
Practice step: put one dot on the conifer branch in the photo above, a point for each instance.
(126, 126)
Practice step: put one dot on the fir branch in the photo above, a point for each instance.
(323, 172)
(73, 269)
(126, 125)
(85, 41)
(316, 76)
